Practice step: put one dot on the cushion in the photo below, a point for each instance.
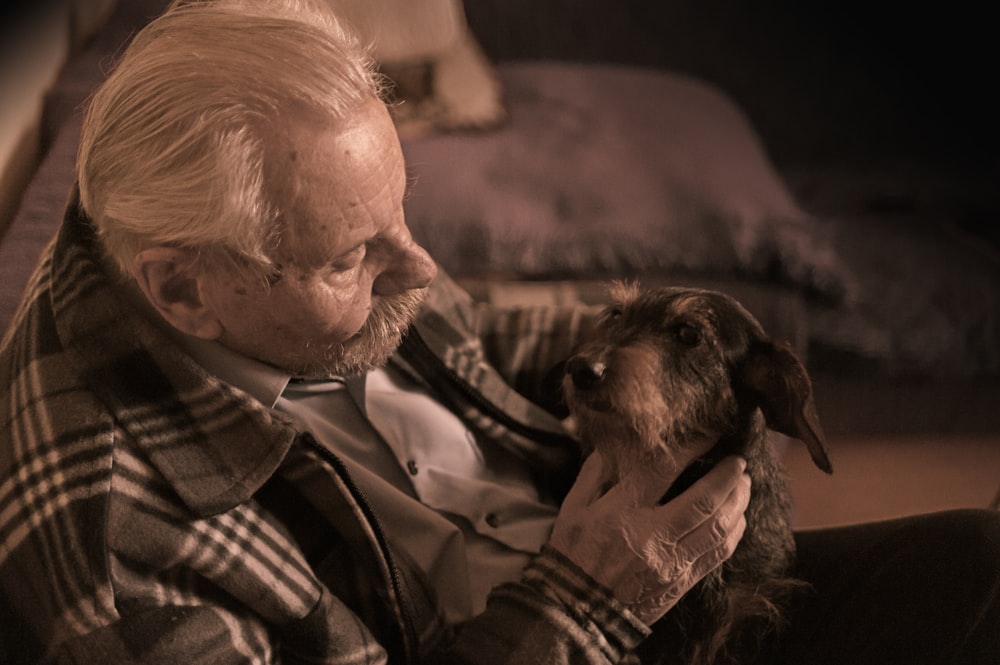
(605, 171)
(458, 90)
(404, 30)
(441, 78)
(927, 295)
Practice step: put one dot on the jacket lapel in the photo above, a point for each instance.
(215, 444)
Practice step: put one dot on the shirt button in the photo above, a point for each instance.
(411, 466)
(493, 520)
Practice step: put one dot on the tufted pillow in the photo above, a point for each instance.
(441, 79)
(605, 171)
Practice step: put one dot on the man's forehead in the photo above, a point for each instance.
(315, 150)
(334, 181)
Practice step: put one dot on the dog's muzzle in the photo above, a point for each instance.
(586, 374)
(587, 378)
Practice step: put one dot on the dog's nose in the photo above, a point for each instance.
(586, 374)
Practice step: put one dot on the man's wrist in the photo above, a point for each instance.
(588, 602)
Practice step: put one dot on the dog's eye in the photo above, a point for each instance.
(612, 314)
(687, 334)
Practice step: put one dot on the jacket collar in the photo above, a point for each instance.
(262, 382)
(215, 444)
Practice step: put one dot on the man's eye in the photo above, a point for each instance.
(349, 260)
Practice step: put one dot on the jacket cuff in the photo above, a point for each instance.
(614, 628)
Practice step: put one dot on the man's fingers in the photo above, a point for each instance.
(649, 554)
(692, 450)
(725, 484)
(722, 531)
(714, 557)
(646, 484)
(588, 485)
(682, 564)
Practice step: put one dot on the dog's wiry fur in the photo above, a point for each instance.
(668, 366)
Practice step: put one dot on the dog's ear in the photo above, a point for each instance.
(773, 377)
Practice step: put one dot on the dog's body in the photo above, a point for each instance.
(668, 366)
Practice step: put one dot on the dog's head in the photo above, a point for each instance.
(671, 364)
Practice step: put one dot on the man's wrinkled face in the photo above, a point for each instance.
(351, 276)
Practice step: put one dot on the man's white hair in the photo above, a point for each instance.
(174, 141)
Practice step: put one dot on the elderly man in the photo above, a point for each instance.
(246, 421)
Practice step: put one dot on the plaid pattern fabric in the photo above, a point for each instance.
(151, 513)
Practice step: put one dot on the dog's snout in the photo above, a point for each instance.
(586, 373)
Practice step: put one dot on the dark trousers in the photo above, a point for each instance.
(917, 590)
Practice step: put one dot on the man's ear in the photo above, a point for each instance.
(165, 277)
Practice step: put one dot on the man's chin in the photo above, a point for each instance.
(350, 367)
(372, 346)
(355, 357)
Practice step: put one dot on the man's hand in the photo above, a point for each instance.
(649, 555)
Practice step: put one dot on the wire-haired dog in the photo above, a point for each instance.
(669, 364)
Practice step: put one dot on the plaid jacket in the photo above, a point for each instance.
(152, 513)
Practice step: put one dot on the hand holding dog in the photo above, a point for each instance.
(649, 555)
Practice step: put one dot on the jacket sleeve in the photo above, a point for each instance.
(193, 635)
(529, 345)
(556, 615)
(213, 634)
(526, 344)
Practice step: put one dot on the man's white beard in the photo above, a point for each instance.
(371, 347)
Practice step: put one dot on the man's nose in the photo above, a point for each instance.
(411, 268)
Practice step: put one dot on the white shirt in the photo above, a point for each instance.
(466, 511)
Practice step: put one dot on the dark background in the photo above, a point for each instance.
(820, 79)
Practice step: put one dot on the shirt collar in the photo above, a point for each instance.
(264, 382)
